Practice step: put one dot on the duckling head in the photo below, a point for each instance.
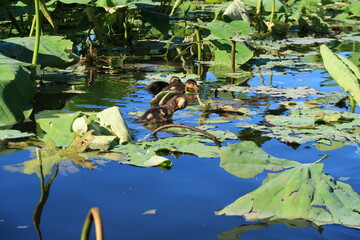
(175, 79)
(191, 86)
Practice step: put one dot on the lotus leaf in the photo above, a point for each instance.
(308, 194)
(112, 118)
(307, 125)
(138, 156)
(58, 129)
(344, 72)
(12, 134)
(54, 51)
(223, 30)
(16, 91)
(246, 160)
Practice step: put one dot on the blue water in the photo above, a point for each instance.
(184, 198)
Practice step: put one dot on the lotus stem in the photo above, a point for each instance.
(37, 34)
(198, 40)
(216, 141)
(258, 8)
(323, 158)
(272, 11)
(352, 104)
(233, 47)
(93, 216)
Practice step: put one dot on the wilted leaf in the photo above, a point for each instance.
(308, 194)
(237, 11)
(112, 118)
(246, 160)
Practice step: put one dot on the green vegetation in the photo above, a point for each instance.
(236, 37)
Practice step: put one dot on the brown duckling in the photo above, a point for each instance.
(157, 86)
(190, 85)
(164, 113)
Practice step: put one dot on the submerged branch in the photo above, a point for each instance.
(216, 141)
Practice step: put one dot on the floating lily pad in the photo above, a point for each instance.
(108, 122)
(139, 156)
(291, 93)
(246, 160)
(12, 134)
(307, 125)
(308, 194)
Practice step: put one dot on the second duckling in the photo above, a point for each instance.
(164, 113)
(157, 86)
(190, 85)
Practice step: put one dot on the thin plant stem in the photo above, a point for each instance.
(272, 11)
(233, 47)
(37, 34)
(198, 41)
(32, 26)
(352, 104)
(216, 141)
(93, 216)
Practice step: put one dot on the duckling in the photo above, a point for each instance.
(157, 86)
(190, 85)
(164, 113)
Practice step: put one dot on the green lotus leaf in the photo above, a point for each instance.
(12, 134)
(138, 156)
(54, 51)
(58, 130)
(246, 160)
(16, 91)
(343, 71)
(303, 192)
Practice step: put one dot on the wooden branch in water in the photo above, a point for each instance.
(216, 141)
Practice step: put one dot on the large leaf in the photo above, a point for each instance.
(106, 124)
(16, 93)
(226, 31)
(303, 192)
(54, 51)
(223, 53)
(58, 130)
(138, 156)
(344, 72)
(4, 60)
(246, 160)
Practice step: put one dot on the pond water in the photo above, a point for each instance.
(181, 201)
